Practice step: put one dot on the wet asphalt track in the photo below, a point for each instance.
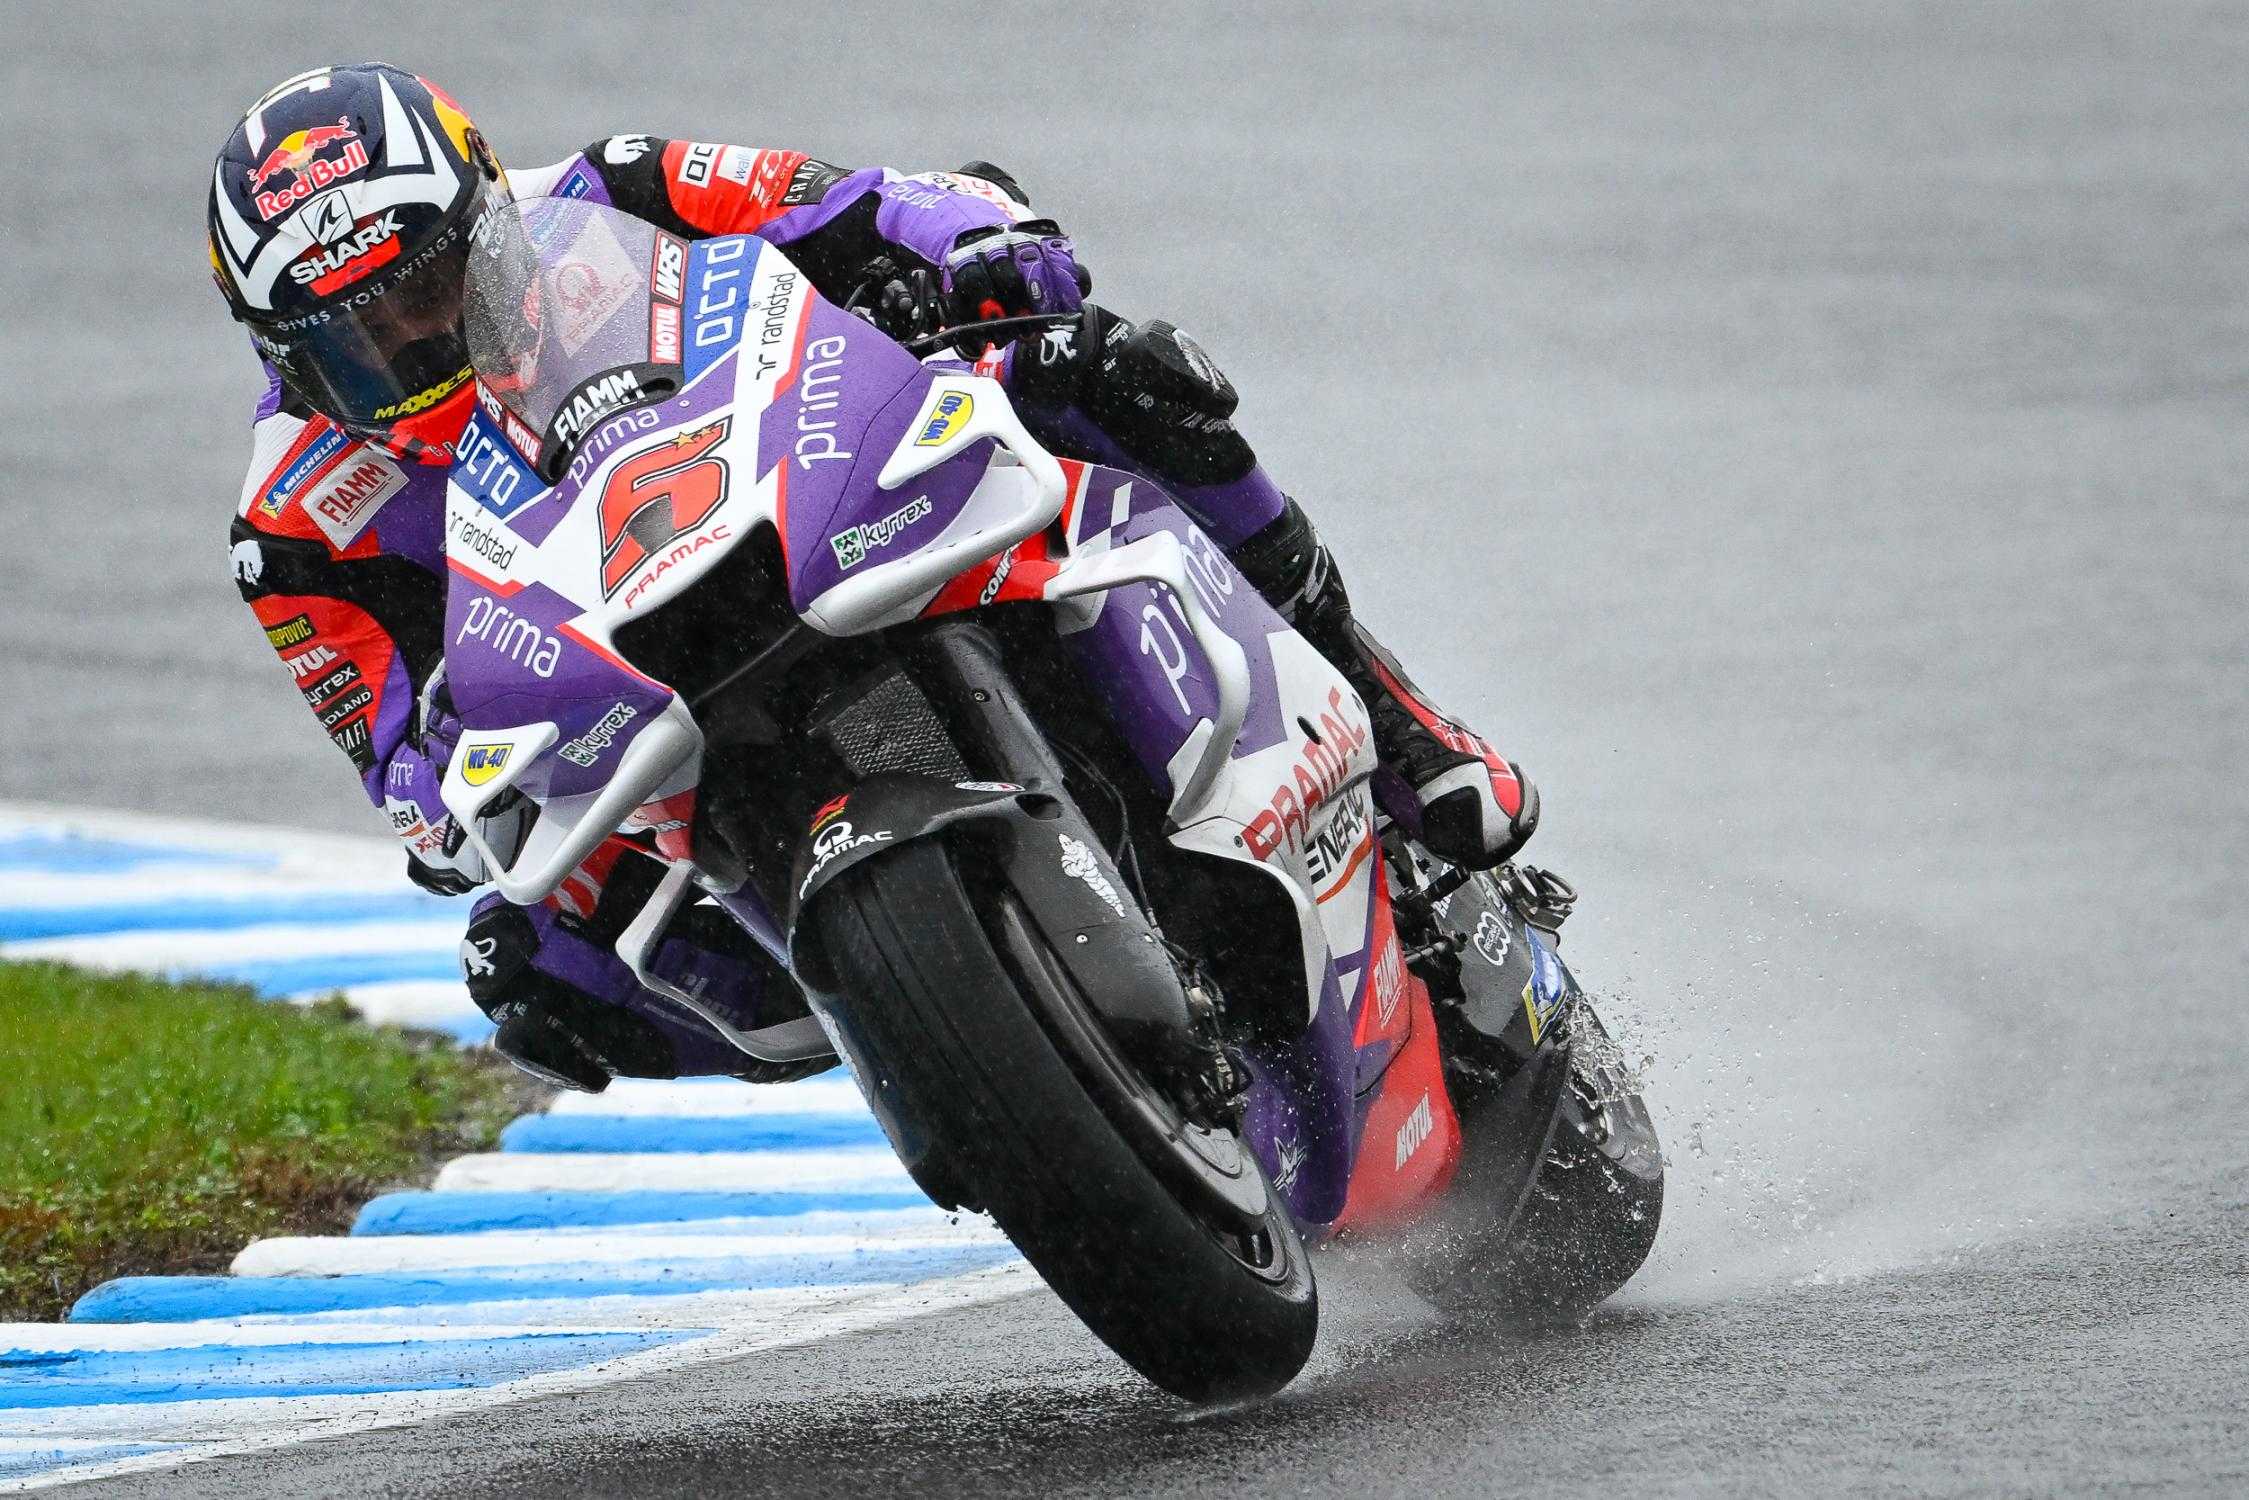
(1810, 436)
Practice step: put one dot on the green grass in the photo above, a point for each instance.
(152, 1127)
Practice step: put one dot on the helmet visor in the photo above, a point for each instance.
(388, 349)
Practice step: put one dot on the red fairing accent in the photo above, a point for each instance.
(1505, 785)
(1020, 573)
(428, 437)
(728, 189)
(580, 891)
(1410, 1146)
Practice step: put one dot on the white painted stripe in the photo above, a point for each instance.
(635, 1096)
(326, 855)
(673, 1172)
(170, 882)
(164, 950)
(83, 1338)
(241, 1426)
(907, 1229)
(774, 1307)
(404, 1002)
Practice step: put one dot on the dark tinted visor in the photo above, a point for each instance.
(387, 349)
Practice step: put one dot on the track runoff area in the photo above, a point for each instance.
(654, 1226)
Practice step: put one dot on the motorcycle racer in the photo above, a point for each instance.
(342, 210)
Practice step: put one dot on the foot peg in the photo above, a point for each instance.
(1541, 898)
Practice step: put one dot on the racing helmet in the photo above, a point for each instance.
(341, 212)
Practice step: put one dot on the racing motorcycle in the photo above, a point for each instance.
(1067, 838)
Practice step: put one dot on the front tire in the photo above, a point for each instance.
(976, 1032)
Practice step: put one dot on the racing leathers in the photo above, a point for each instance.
(337, 545)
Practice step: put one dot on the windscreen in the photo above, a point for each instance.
(557, 314)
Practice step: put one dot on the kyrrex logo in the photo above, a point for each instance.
(852, 546)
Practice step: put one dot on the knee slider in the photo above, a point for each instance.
(1165, 401)
(549, 1027)
(1165, 363)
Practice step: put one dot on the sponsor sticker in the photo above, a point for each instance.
(298, 154)
(1389, 982)
(356, 740)
(499, 629)
(828, 811)
(837, 840)
(1078, 863)
(590, 746)
(699, 163)
(1493, 939)
(953, 410)
(852, 546)
(1414, 1131)
(290, 633)
(348, 498)
(480, 763)
(301, 468)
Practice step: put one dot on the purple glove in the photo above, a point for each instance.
(439, 856)
(1008, 272)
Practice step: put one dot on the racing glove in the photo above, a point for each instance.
(439, 857)
(1006, 271)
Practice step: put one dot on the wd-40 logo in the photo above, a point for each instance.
(480, 763)
(298, 154)
(952, 412)
(851, 547)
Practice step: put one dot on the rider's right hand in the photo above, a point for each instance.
(439, 857)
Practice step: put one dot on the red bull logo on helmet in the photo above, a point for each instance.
(298, 154)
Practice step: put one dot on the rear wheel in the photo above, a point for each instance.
(1160, 1234)
(1588, 1220)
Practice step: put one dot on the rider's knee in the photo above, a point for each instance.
(563, 1008)
(1151, 389)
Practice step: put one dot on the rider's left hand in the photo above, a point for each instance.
(1013, 271)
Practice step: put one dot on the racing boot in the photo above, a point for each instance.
(1149, 398)
(1443, 783)
(570, 1011)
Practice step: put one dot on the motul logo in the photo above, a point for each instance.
(1415, 1131)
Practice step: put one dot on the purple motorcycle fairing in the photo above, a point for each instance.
(1304, 1112)
(830, 401)
(840, 411)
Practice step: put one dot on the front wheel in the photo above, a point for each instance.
(963, 1019)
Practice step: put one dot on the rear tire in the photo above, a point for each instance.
(1587, 1224)
(988, 1048)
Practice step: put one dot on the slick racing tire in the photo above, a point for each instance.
(984, 1040)
(1588, 1220)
